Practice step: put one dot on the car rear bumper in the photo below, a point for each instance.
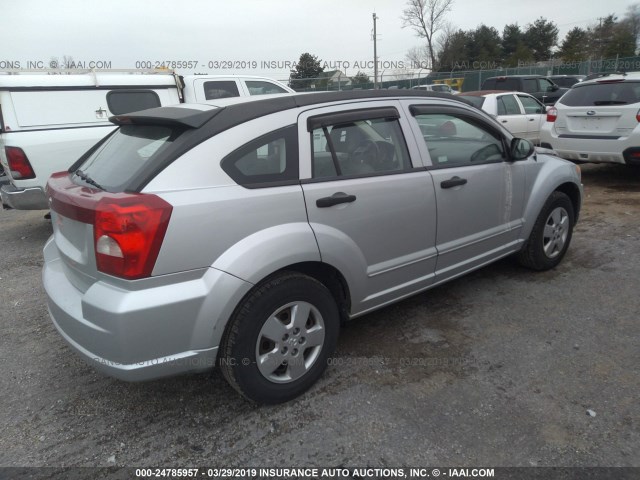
(596, 150)
(23, 198)
(147, 333)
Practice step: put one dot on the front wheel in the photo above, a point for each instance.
(551, 234)
(279, 339)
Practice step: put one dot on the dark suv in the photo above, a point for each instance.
(540, 87)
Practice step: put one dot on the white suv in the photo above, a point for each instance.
(597, 121)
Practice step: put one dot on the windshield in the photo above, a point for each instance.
(129, 150)
(601, 94)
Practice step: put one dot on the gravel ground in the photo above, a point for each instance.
(504, 367)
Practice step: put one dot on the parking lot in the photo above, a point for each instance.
(503, 367)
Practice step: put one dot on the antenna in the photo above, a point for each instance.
(375, 53)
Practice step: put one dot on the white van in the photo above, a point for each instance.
(48, 121)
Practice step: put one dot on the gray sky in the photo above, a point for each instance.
(250, 36)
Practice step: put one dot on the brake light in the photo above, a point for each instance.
(552, 114)
(638, 116)
(128, 228)
(128, 234)
(19, 164)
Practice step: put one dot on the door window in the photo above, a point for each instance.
(260, 87)
(456, 140)
(360, 146)
(220, 89)
(507, 105)
(530, 85)
(531, 105)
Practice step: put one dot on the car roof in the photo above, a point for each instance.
(610, 78)
(516, 76)
(240, 109)
(482, 93)
(566, 76)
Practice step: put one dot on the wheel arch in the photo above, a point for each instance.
(572, 191)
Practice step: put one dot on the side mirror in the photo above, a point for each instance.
(552, 88)
(521, 149)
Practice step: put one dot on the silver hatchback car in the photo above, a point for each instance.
(241, 236)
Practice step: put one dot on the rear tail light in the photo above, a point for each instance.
(638, 116)
(552, 114)
(19, 164)
(128, 228)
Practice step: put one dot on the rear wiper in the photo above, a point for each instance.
(609, 102)
(88, 179)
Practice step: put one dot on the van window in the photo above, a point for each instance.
(220, 89)
(127, 101)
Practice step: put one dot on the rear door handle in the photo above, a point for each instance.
(335, 199)
(453, 182)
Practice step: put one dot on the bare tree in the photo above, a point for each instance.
(427, 18)
(418, 57)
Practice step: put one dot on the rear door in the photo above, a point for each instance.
(511, 115)
(371, 208)
(535, 114)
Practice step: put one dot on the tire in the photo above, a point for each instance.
(551, 234)
(279, 338)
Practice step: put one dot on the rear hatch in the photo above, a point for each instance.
(103, 225)
(602, 109)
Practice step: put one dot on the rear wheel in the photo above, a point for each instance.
(277, 343)
(551, 234)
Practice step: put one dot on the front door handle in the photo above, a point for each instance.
(453, 182)
(335, 199)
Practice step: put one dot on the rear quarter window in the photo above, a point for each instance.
(602, 94)
(127, 101)
(271, 159)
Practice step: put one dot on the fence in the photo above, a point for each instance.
(469, 79)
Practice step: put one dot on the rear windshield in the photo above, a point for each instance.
(477, 101)
(501, 84)
(566, 82)
(125, 154)
(599, 94)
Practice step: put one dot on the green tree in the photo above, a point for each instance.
(485, 46)
(540, 37)
(632, 19)
(575, 46)
(454, 52)
(360, 79)
(610, 37)
(514, 50)
(306, 72)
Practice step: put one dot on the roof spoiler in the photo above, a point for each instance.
(169, 116)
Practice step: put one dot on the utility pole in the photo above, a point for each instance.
(375, 53)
